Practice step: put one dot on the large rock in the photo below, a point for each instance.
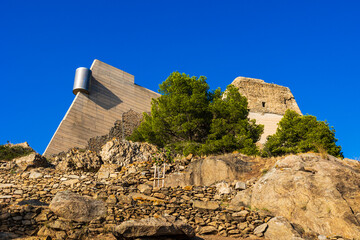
(33, 160)
(321, 195)
(154, 227)
(74, 207)
(211, 170)
(280, 229)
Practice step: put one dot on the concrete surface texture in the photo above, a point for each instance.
(270, 122)
(111, 93)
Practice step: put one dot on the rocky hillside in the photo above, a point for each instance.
(116, 194)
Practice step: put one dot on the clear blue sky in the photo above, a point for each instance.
(312, 47)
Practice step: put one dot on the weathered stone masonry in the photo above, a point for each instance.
(267, 102)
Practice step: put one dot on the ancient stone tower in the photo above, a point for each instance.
(103, 94)
(267, 102)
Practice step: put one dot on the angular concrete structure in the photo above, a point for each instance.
(112, 92)
(267, 102)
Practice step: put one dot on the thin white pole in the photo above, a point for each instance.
(163, 181)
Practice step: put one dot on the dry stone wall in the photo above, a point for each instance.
(121, 130)
(128, 195)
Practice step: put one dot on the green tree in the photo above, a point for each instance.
(230, 128)
(181, 114)
(188, 118)
(297, 134)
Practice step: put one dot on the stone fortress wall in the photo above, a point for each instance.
(113, 93)
(267, 102)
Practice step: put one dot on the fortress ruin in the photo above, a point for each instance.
(105, 94)
(267, 102)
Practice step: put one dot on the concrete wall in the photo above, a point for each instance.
(112, 92)
(269, 120)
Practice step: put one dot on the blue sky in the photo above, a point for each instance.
(312, 47)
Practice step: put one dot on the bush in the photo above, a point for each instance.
(298, 134)
(8, 152)
(188, 118)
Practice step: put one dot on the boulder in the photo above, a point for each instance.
(153, 227)
(320, 194)
(278, 228)
(72, 206)
(259, 230)
(33, 160)
(211, 170)
(223, 188)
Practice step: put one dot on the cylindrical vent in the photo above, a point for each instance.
(81, 81)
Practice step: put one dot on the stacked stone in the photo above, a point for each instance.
(129, 194)
(22, 220)
(121, 129)
(130, 120)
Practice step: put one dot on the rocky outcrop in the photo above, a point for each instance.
(78, 159)
(72, 206)
(116, 153)
(154, 227)
(21, 156)
(33, 160)
(122, 152)
(320, 194)
(222, 168)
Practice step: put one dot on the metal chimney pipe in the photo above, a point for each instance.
(82, 80)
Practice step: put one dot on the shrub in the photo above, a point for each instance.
(298, 134)
(10, 152)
